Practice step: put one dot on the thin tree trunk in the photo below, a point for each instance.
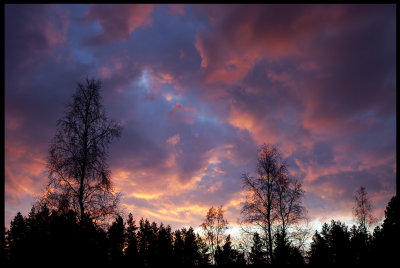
(81, 200)
(269, 217)
(83, 170)
(81, 206)
(269, 238)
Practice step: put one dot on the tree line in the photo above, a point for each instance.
(78, 217)
(50, 236)
(53, 236)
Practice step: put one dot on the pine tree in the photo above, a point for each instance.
(131, 251)
(16, 238)
(332, 246)
(116, 239)
(147, 238)
(164, 247)
(257, 253)
(226, 256)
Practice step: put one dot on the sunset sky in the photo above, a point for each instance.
(198, 88)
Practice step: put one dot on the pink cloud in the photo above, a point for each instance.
(174, 140)
(32, 35)
(118, 21)
(56, 32)
(177, 9)
(263, 129)
(114, 68)
(105, 72)
(181, 113)
(25, 171)
(117, 64)
(13, 122)
(242, 35)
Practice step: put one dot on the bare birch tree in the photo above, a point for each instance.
(290, 208)
(273, 198)
(362, 209)
(214, 227)
(79, 177)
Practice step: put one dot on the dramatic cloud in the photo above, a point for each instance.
(198, 88)
(118, 21)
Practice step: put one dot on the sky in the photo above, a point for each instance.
(198, 89)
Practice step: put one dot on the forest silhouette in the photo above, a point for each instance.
(77, 220)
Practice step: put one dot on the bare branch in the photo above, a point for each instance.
(78, 172)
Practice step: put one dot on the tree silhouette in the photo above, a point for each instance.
(228, 256)
(273, 198)
(257, 253)
(16, 239)
(116, 240)
(320, 252)
(46, 236)
(179, 248)
(147, 237)
(65, 235)
(332, 246)
(385, 244)
(131, 251)
(164, 250)
(189, 250)
(204, 255)
(362, 209)
(79, 177)
(289, 194)
(214, 227)
(360, 241)
(93, 243)
(284, 252)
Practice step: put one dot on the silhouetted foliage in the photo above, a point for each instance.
(179, 247)
(214, 227)
(335, 245)
(362, 209)
(131, 251)
(320, 252)
(146, 242)
(284, 252)
(228, 256)
(116, 239)
(282, 249)
(46, 236)
(273, 198)
(93, 239)
(189, 250)
(360, 241)
(79, 178)
(257, 253)
(385, 244)
(17, 238)
(332, 246)
(49, 236)
(204, 256)
(164, 249)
